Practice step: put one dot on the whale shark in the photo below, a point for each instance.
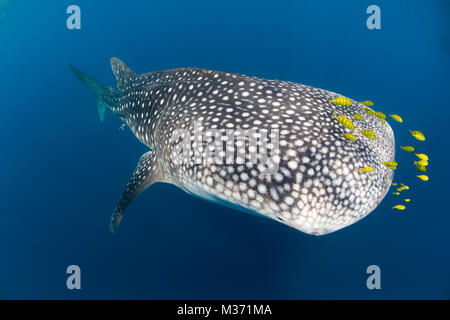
(269, 147)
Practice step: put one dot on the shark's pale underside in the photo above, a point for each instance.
(316, 187)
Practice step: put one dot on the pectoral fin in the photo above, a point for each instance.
(101, 108)
(146, 173)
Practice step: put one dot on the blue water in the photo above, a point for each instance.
(62, 171)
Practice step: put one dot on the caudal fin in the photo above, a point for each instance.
(100, 92)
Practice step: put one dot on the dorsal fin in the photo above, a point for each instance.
(122, 73)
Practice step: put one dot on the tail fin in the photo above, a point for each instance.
(99, 91)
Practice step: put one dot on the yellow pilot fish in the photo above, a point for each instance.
(350, 136)
(421, 168)
(346, 122)
(380, 115)
(423, 177)
(421, 163)
(369, 111)
(417, 134)
(367, 103)
(369, 134)
(396, 117)
(399, 207)
(408, 148)
(342, 101)
(390, 164)
(366, 169)
(422, 156)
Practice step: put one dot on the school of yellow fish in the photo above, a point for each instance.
(422, 162)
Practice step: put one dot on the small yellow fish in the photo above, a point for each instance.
(423, 177)
(369, 134)
(367, 103)
(417, 134)
(366, 169)
(346, 122)
(394, 184)
(350, 136)
(390, 164)
(408, 148)
(396, 193)
(421, 163)
(342, 101)
(407, 200)
(422, 156)
(383, 121)
(396, 117)
(399, 207)
(369, 111)
(402, 184)
(403, 188)
(421, 168)
(358, 117)
(380, 115)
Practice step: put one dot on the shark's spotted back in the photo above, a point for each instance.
(273, 147)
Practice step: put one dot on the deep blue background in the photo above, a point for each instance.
(62, 171)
